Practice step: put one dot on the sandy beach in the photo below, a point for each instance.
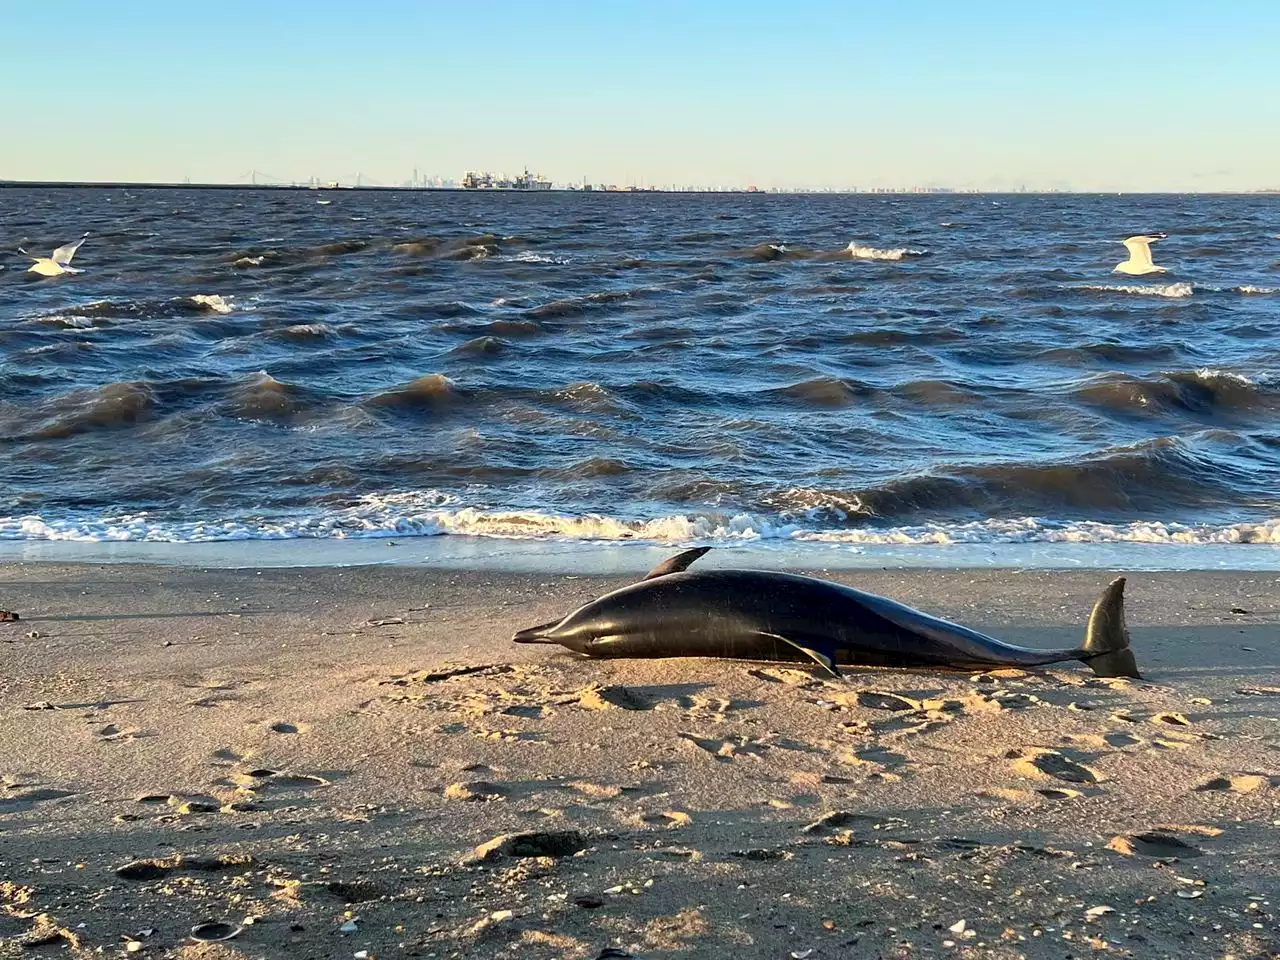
(358, 763)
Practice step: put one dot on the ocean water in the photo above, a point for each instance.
(848, 370)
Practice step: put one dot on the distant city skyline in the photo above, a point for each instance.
(991, 95)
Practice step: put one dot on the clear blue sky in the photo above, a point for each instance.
(1178, 95)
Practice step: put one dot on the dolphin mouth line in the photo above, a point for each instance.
(536, 634)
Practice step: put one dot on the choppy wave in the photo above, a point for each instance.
(876, 253)
(432, 391)
(1175, 291)
(659, 367)
(305, 331)
(212, 302)
(528, 256)
(1205, 391)
(84, 314)
(91, 409)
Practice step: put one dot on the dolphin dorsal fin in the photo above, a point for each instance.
(681, 561)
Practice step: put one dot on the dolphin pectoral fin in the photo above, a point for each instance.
(818, 656)
(681, 561)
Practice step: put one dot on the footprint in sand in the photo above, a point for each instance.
(596, 697)
(290, 781)
(1024, 796)
(1163, 743)
(711, 708)
(22, 799)
(143, 871)
(1159, 845)
(730, 748)
(597, 791)
(184, 804)
(476, 791)
(1237, 783)
(1095, 742)
(886, 764)
(529, 711)
(1121, 740)
(264, 782)
(449, 673)
(671, 819)
(881, 700)
(1259, 691)
(111, 733)
(194, 804)
(218, 701)
(1040, 763)
(1059, 793)
(911, 723)
(509, 736)
(218, 693)
(844, 819)
(793, 678)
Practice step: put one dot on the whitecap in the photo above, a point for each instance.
(70, 321)
(211, 301)
(1174, 291)
(434, 513)
(1208, 375)
(876, 253)
(528, 256)
(308, 330)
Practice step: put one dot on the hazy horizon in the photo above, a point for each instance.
(992, 97)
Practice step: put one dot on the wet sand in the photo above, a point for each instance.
(359, 760)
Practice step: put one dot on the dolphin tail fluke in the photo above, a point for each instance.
(1106, 639)
(536, 634)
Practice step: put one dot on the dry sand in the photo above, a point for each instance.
(359, 760)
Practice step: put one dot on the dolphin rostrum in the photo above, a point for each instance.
(762, 615)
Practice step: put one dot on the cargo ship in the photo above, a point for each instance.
(484, 180)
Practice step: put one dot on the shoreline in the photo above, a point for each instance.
(359, 759)
(496, 554)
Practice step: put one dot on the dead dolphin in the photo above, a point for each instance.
(762, 615)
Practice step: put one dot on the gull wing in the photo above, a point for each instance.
(1140, 250)
(62, 256)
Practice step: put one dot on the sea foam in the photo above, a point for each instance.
(1173, 290)
(431, 514)
(876, 253)
(211, 301)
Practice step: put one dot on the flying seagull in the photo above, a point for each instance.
(58, 262)
(1139, 261)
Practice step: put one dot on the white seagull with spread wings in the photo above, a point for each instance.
(1139, 261)
(58, 262)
